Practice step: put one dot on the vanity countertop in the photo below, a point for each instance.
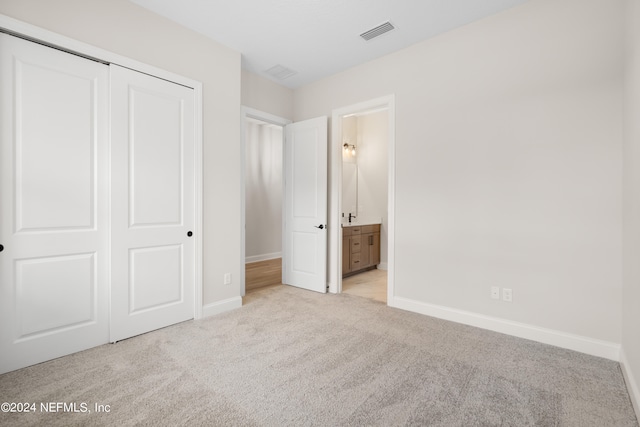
(365, 221)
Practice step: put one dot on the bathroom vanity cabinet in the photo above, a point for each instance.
(360, 248)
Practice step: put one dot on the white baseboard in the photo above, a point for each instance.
(263, 257)
(221, 306)
(632, 385)
(591, 346)
(383, 266)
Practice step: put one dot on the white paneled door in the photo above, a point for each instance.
(53, 203)
(306, 204)
(153, 212)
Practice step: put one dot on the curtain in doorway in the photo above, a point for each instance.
(263, 190)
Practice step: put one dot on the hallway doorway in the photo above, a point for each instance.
(263, 198)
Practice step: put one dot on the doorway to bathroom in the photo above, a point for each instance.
(363, 147)
(364, 204)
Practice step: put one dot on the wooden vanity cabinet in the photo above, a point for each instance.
(371, 245)
(360, 248)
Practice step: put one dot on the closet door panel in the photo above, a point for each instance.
(53, 207)
(155, 186)
(153, 211)
(45, 134)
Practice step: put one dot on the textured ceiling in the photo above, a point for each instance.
(318, 38)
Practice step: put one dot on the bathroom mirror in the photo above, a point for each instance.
(349, 189)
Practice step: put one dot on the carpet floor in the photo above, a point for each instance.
(296, 358)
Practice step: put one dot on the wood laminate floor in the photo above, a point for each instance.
(263, 273)
(370, 284)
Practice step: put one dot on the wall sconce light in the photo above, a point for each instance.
(349, 148)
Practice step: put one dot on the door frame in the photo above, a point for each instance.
(49, 38)
(246, 113)
(335, 150)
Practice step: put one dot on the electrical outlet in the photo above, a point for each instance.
(506, 294)
(495, 292)
(227, 278)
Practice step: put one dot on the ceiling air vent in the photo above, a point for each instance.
(377, 31)
(280, 72)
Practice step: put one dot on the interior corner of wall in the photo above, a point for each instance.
(631, 381)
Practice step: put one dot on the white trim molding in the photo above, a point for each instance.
(594, 347)
(221, 306)
(263, 257)
(631, 381)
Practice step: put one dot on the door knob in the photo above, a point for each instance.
(319, 226)
(189, 233)
(1, 248)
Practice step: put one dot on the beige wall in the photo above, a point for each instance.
(631, 231)
(508, 163)
(124, 28)
(264, 95)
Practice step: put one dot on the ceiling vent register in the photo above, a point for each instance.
(377, 31)
(280, 72)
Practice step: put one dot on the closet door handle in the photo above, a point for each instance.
(189, 233)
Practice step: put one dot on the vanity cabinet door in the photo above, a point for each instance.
(374, 248)
(370, 246)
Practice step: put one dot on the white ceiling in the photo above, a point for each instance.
(318, 38)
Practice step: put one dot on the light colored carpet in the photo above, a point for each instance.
(293, 358)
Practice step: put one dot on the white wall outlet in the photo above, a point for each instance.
(495, 292)
(227, 278)
(506, 294)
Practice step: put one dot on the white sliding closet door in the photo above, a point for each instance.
(153, 211)
(53, 203)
